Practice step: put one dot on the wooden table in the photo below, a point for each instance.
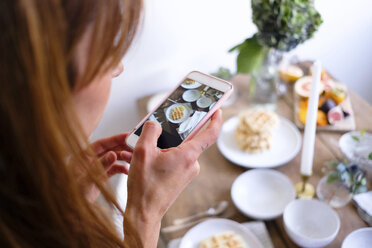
(217, 174)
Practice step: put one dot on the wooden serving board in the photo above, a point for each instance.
(348, 124)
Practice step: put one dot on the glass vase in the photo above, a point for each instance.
(336, 194)
(265, 80)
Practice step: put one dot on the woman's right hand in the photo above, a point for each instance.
(156, 178)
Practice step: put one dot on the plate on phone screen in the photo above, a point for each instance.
(285, 144)
(190, 84)
(177, 113)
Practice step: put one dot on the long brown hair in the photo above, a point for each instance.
(42, 202)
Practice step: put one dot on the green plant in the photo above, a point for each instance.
(223, 73)
(281, 24)
(352, 177)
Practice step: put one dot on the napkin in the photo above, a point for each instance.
(364, 201)
(258, 228)
(187, 126)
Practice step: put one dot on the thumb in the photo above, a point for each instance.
(150, 134)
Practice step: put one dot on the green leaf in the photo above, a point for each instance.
(333, 177)
(362, 132)
(250, 57)
(370, 156)
(237, 47)
(355, 138)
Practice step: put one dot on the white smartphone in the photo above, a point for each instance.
(186, 109)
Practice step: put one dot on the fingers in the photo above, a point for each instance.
(116, 142)
(125, 156)
(149, 137)
(108, 159)
(117, 169)
(203, 140)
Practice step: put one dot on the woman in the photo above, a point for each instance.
(57, 60)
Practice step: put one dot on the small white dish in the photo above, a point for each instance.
(212, 227)
(191, 95)
(186, 113)
(191, 85)
(285, 144)
(311, 223)
(204, 102)
(361, 238)
(262, 193)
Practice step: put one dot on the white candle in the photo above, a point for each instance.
(310, 126)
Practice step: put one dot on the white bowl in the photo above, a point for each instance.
(311, 223)
(262, 193)
(212, 227)
(361, 238)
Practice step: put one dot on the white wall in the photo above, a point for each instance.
(182, 35)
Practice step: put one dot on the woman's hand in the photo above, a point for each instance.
(109, 151)
(157, 177)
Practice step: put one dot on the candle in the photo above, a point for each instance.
(310, 126)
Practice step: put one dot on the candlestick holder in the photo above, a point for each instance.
(305, 190)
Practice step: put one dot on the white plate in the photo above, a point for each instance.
(212, 227)
(191, 95)
(262, 193)
(204, 102)
(186, 113)
(361, 238)
(285, 144)
(191, 86)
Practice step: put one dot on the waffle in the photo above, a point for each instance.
(223, 240)
(189, 82)
(255, 130)
(252, 143)
(177, 113)
(258, 120)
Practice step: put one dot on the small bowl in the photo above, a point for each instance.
(361, 238)
(311, 223)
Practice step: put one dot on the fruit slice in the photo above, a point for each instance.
(303, 86)
(335, 115)
(321, 118)
(290, 74)
(337, 94)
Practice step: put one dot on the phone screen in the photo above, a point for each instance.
(182, 111)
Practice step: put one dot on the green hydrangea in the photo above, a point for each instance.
(283, 24)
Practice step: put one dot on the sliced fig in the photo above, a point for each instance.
(335, 115)
(327, 106)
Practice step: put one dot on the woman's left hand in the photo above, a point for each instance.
(109, 151)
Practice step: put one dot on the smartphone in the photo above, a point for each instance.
(186, 109)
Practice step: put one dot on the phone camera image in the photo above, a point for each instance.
(182, 111)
